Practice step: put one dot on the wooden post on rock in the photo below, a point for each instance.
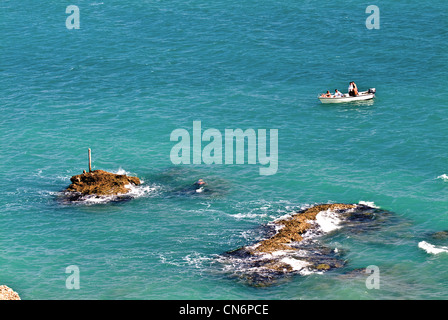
(90, 161)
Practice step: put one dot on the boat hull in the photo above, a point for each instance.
(365, 95)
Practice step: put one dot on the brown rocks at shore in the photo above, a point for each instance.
(101, 183)
(7, 293)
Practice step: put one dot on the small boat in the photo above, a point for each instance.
(362, 95)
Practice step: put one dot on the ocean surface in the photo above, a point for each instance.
(135, 71)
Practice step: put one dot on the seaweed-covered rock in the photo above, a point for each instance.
(323, 266)
(101, 183)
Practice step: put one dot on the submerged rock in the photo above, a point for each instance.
(440, 235)
(6, 293)
(323, 266)
(101, 183)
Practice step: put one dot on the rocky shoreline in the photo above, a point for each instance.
(6, 293)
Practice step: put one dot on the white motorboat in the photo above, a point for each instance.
(362, 95)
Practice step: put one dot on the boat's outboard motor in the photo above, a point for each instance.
(372, 90)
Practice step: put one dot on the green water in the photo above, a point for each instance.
(137, 70)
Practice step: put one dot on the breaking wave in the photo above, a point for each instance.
(328, 221)
(432, 249)
(134, 192)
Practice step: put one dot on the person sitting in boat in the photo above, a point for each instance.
(326, 95)
(355, 89)
(337, 94)
(352, 89)
(351, 93)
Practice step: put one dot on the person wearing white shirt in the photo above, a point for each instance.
(337, 93)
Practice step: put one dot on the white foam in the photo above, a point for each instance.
(140, 190)
(278, 253)
(443, 177)
(432, 249)
(296, 265)
(263, 209)
(283, 217)
(195, 259)
(121, 171)
(248, 215)
(328, 221)
(370, 204)
(92, 199)
(134, 192)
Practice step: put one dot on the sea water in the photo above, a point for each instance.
(135, 71)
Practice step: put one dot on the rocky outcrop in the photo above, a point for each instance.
(294, 227)
(101, 183)
(292, 244)
(7, 293)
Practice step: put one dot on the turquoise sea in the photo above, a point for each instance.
(137, 70)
